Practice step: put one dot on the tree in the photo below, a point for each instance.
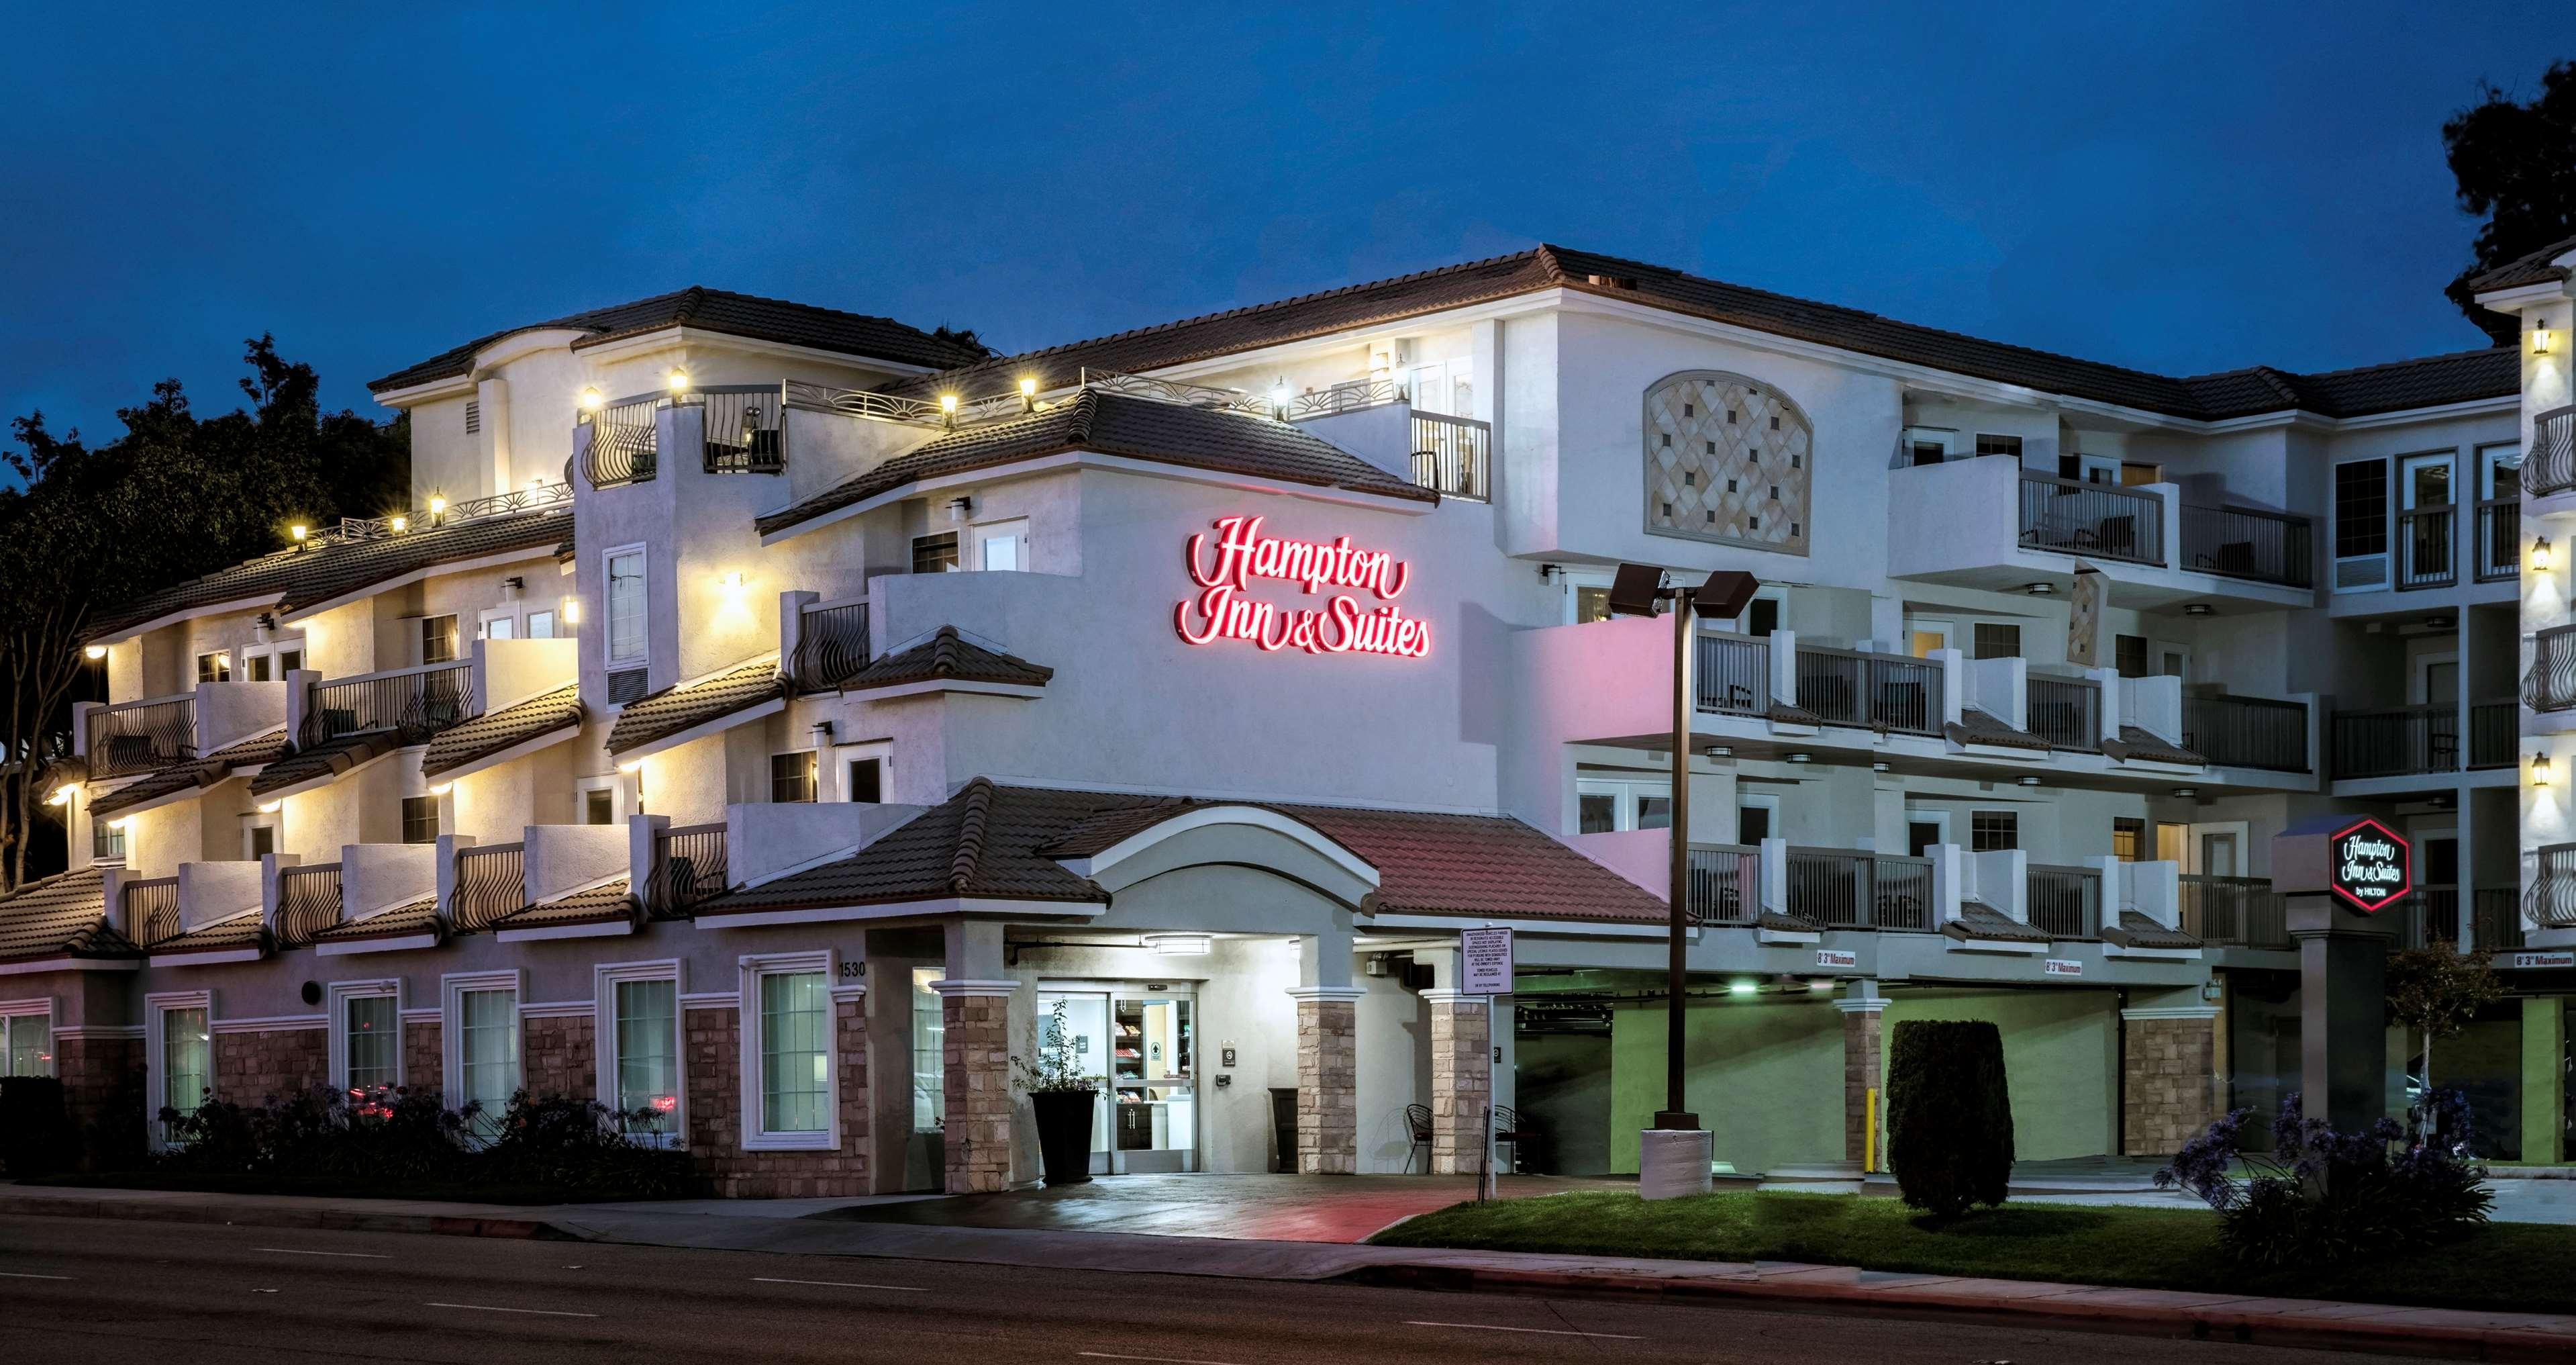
(2438, 991)
(1949, 1115)
(2515, 165)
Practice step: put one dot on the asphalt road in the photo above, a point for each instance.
(81, 1290)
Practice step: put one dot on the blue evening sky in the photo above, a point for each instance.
(2181, 187)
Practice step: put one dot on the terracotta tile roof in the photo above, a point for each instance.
(327, 759)
(2540, 267)
(187, 777)
(599, 905)
(1004, 842)
(1779, 922)
(714, 310)
(240, 931)
(1986, 922)
(489, 734)
(674, 709)
(417, 917)
(2135, 930)
(1978, 727)
(60, 916)
(291, 579)
(2233, 393)
(946, 656)
(1121, 424)
(2136, 743)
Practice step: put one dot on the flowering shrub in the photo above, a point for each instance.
(403, 1135)
(2321, 1197)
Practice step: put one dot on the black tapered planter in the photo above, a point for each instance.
(1064, 1133)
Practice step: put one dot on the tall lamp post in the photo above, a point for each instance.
(1674, 1156)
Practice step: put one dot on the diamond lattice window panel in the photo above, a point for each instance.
(1727, 459)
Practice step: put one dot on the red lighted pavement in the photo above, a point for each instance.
(1266, 1208)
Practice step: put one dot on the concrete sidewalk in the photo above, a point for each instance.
(789, 1226)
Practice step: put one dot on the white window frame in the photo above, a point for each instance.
(11, 1011)
(274, 821)
(336, 1023)
(420, 638)
(2386, 558)
(231, 660)
(754, 966)
(1014, 529)
(1946, 630)
(2156, 652)
(604, 980)
(882, 750)
(155, 1065)
(1627, 794)
(621, 797)
(1945, 437)
(269, 651)
(1938, 819)
(484, 621)
(608, 607)
(1762, 801)
(1572, 581)
(452, 987)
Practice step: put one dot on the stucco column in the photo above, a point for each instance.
(1864, 1060)
(1328, 1100)
(2169, 1076)
(976, 1078)
(1461, 1080)
(2544, 1078)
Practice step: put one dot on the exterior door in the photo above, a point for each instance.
(1086, 1028)
(1154, 1079)
(2499, 511)
(1923, 829)
(2427, 499)
(1444, 388)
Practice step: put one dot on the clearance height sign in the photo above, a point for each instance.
(1351, 590)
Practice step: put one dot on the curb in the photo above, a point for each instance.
(270, 1216)
(2213, 1322)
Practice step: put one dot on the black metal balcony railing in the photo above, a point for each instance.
(688, 870)
(2498, 912)
(2065, 902)
(2397, 742)
(2499, 539)
(831, 646)
(414, 703)
(2493, 727)
(2245, 542)
(152, 911)
(1883, 691)
(2233, 912)
(1453, 455)
(2067, 712)
(1732, 673)
(2424, 536)
(2550, 685)
(2102, 520)
(2550, 467)
(2550, 902)
(308, 902)
(490, 882)
(746, 428)
(1725, 884)
(1842, 889)
(2247, 732)
(624, 444)
(2433, 916)
(141, 737)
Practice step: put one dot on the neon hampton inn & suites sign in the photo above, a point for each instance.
(1359, 617)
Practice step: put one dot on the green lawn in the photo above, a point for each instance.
(2522, 1266)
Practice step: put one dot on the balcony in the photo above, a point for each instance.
(2550, 685)
(308, 902)
(2067, 712)
(2099, 521)
(688, 870)
(142, 736)
(2409, 741)
(2248, 543)
(2550, 902)
(1452, 455)
(2550, 468)
(625, 445)
(2247, 732)
(1732, 674)
(2065, 902)
(490, 883)
(152, 911)
(2234, 912)
(2424, 546)
(410, 703)
(831, 645)
(2497, 917)
(1891, 692)
(745, 429)
(1840, 889)
(2499, 556)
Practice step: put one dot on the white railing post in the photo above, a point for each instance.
(1784, 667)
(1773, 880)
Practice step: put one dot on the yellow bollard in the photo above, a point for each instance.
(1869, 1131)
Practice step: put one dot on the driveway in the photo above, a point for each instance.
(1273, 1208)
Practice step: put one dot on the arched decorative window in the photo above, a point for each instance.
(1728, 459)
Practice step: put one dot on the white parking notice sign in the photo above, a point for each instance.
(1485, 961)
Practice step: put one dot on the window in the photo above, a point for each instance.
(259, 841)
(867, 781)
(500, 628)
(929, 1053)
(215, 667)
(935, 554)
(1998, 640)
(2129, 655)
(289, 660)
(1003, 546)
(791, 777)
(187, 1049)
(625, 604)
(367, 1038)
(541, 625)
(795, 1072)
(1928, 445)
(1591, 603)
(420, 819)
(1990, 830)
(482, 1026)
(599, 806)
(644, 1059)
(2361, 508)
(437, 639)
(106, 840)
(1596, 812)
(1998, 445)
(256, 667)
(1922, 636)
(29, 1042)
(1628, 805)
(2128, 839)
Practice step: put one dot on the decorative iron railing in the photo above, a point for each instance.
(1347, 396)
(308, 902)
(450, 514)
(2424, 536)
(625, 445)
(2065, 902)
(745, 428)
(688, 870)
(142, 736)
(2102, 520)
(1732, 673)
(491, 882)
(1173, 391)
(2550, 903)
(2499, 540)
(414, 703)
(2247, 732)
(2550, 467)
(1725, 884)
(152, 911)
(920, 412)
(2067, 712)
(2397, 742)
(2244, 542)
(2494, 727)
(2550, 685)
(2233, 912)
(831, 645)
(1882, 691)
(1842, 889)
(1452, 455)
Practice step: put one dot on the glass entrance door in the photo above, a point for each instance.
(1086, 1032)
(2426, 510)
(1154, 1077)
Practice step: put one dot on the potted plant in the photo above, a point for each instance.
(1063, 1098)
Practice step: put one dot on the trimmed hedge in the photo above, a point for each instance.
(1949, 1115)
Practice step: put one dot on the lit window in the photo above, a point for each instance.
(929, 1053)
(626, 605)
(371, 1043)
(795, 1063)
(215, 667)
(791, 777)
(2128, 839)
(420, 819)
(106, 841)
(1591, 604)
(186, 1059)
(935, 554)
(487, 1052)
(645, 1060)
(30, 1044)
(437, 639)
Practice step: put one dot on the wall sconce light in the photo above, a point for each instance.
(399, 524)
(948, 410)
(590, 399)
(2197, 609)
(572, 611)
(633, 766)
(678, 379)
(2028, 779)
(94, 653)
(62, 796)
(2039, 589)
(960, 508)
(1881, 766)
(298, 530)
(1177, 945)
(441, 788)
(1279, 400)
(1802, 758)
(2185, 793)
(270, 807)
(2540, 770)
(1028, 393)
(732, 582)
(2540, 337)
(2540, 554)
